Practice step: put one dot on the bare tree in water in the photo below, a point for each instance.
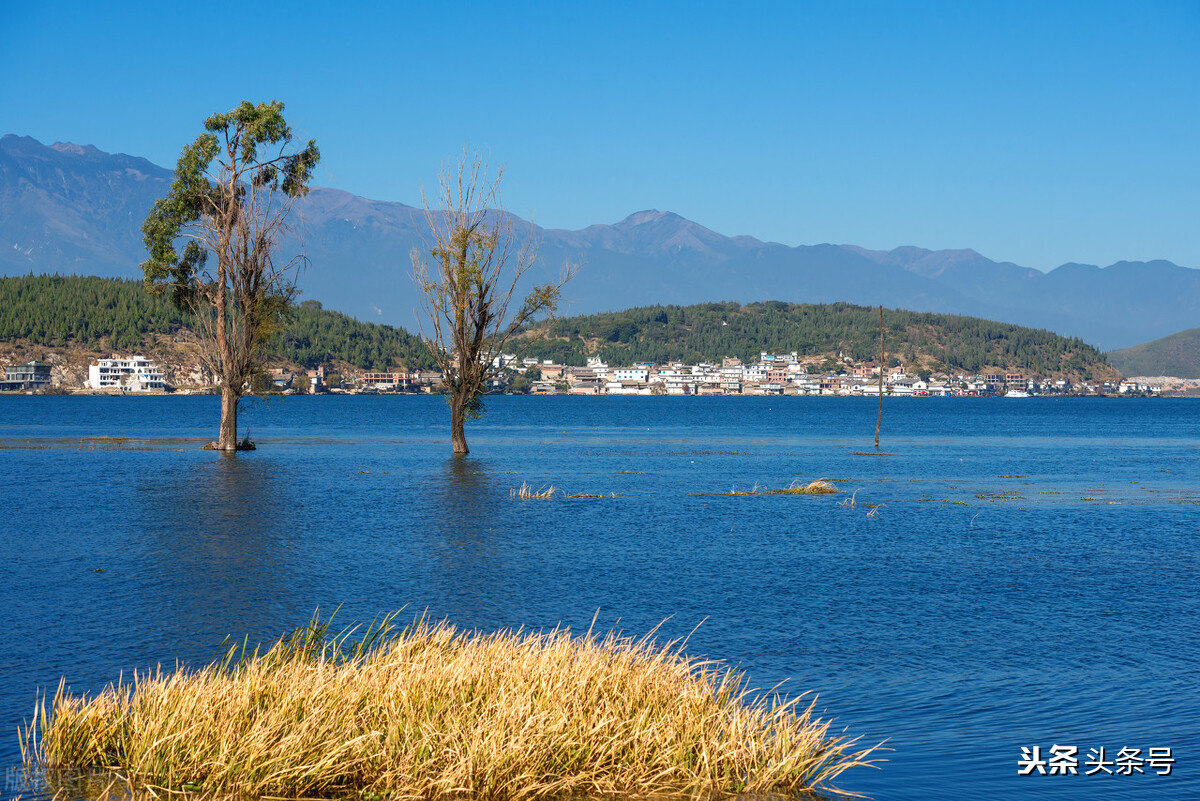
(468, 275)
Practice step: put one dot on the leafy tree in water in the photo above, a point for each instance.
(233, 190)
(468, 277)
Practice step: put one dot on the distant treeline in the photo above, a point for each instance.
(711, 331)
(120, 315)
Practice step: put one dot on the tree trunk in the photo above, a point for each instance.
(227, 440)
(879, 419)
(458, 413)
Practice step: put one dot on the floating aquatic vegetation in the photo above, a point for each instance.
(819, 487)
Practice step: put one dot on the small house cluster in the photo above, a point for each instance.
(289, 381)
(771, 374)
(786, 374)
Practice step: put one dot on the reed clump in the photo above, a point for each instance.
(526, 492)
(433, 712)
(818, 487)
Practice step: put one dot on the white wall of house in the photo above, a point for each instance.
(135, 374)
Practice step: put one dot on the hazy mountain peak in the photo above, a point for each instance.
(649, 216)
(77, 150)
(75, 209)
(899, 257)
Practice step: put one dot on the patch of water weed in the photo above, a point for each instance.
(1000, 496)
(1012, 476)
(871, 453)
(643, 454)
(111, 443)
(586, 495)
(631, 473)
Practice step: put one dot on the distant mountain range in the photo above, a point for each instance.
(77, 210)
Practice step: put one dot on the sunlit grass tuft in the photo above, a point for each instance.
(818, 487)
(432, 712)
(526, 492)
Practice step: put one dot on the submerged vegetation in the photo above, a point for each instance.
(527, 492)
(811, 488)
(430, 711)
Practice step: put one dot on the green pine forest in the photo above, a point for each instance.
(105, 314)
(710, 331)
(122, 316)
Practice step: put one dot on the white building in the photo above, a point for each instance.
(135, 374)
(598, 366)
(638, 374)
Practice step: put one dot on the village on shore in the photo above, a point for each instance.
(772, 374)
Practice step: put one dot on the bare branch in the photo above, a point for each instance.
(468, 271)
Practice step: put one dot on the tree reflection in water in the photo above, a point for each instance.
(220, 547)
(473, 529)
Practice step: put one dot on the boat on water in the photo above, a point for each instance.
(1016, 393)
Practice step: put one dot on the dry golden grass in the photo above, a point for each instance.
(526, 492)
(812, 488)
(796, 488)
(432, 712)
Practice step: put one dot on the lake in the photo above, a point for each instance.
(1016, 573)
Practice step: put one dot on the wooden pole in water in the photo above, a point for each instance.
(879, 419)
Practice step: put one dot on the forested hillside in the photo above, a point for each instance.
(1177, 355)
(122, 316)
(710, 331)
(105, 315)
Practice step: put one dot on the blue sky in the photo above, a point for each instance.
(1038, 133)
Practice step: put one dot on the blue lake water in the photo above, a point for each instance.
(1061, 608)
